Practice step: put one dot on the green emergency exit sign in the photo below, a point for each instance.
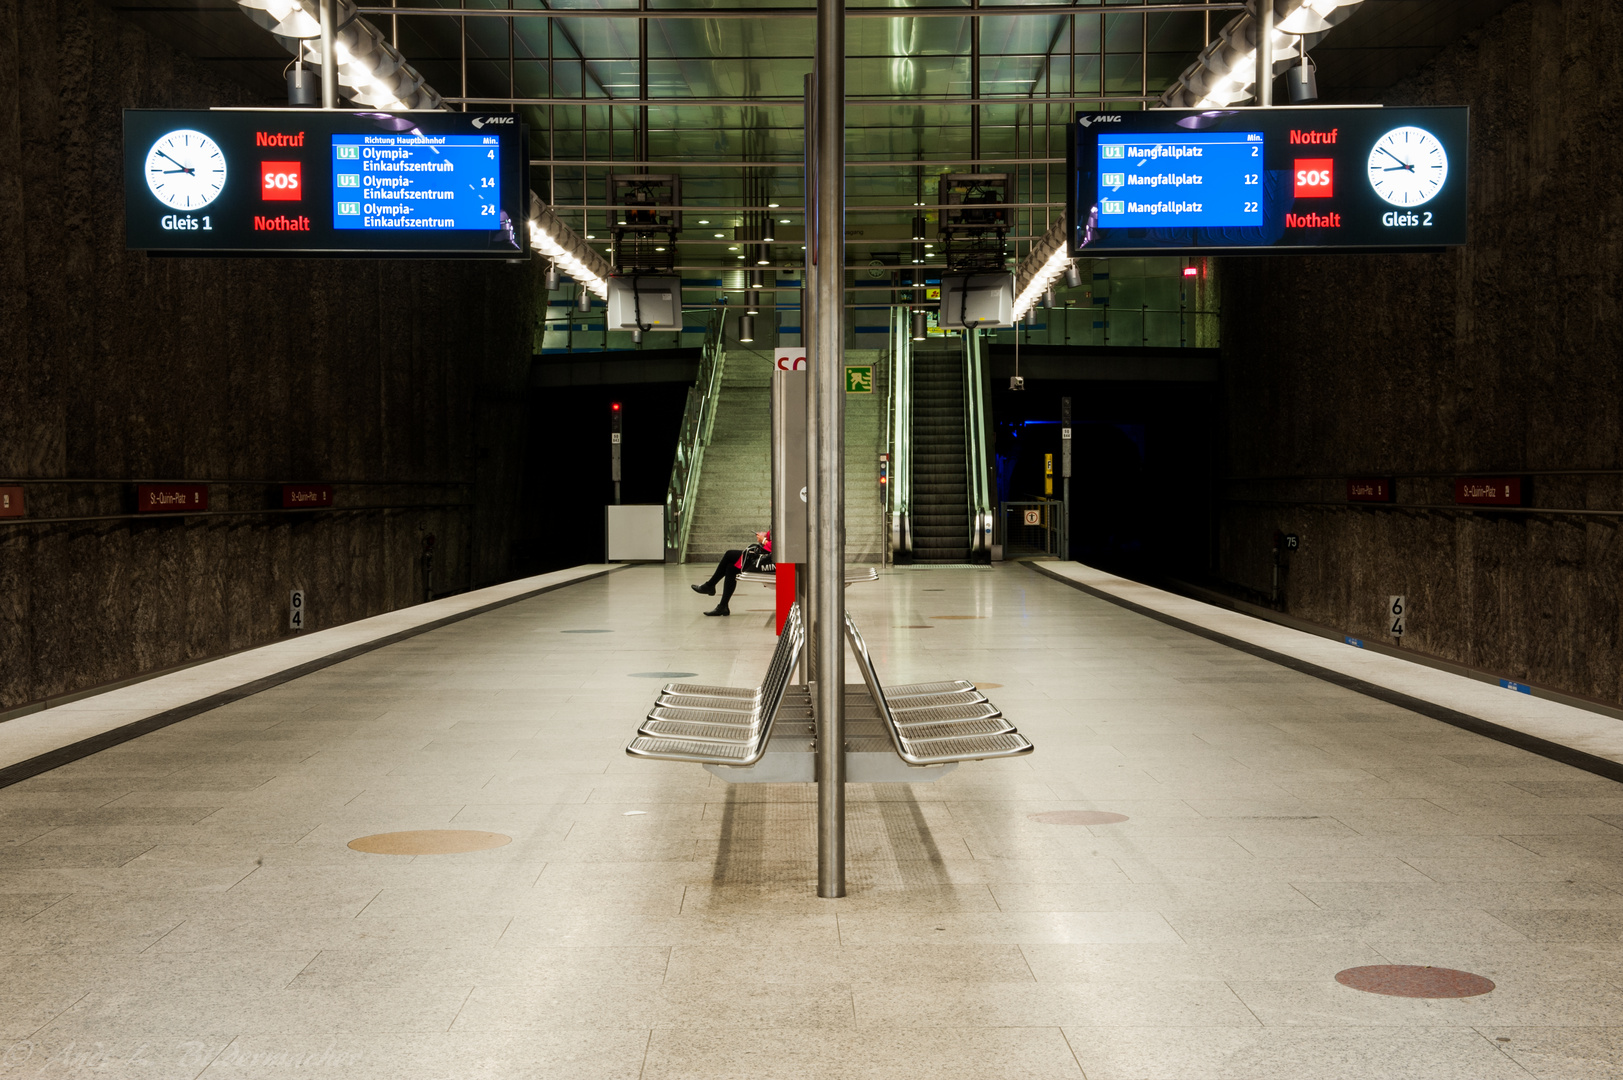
(859, 380)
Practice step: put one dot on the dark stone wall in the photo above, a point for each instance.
(401, 382)
(1502, 356)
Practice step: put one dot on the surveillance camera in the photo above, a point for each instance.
(1016, 383)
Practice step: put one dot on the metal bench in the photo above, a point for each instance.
(926, 731)
(721, 725)
(929, 726)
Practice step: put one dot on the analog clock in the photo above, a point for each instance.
(1408, 166)
(185, 169)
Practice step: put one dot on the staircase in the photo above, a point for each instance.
(940, 481)
(735, 482)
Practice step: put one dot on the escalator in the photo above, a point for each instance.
(940, 523)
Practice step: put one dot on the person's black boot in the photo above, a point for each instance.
(707, 589)
(718, 610)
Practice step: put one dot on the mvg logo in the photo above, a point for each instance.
(1100, 118)
(481, 121)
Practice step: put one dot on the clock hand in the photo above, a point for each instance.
(183, 168)
(1399, 168)
(1391, 155)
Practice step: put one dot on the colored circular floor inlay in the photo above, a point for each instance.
(663, 674)
(1077, 817)
(1415, 981)
(586, 631)
(430, 842)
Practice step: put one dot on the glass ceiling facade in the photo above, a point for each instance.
(723, 112)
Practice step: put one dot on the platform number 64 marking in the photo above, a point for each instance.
(1397, 610)
(295, 610)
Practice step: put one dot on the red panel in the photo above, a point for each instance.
(1369, 489)
(170, 498)
(1315, 178)
(786, 591)
(281, 181)
(1488, 491)
(306, 496)
(11, 502)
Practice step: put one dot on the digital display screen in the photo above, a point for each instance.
(415, 181)
(310, 182)
(1167, 181)
(1159, 181)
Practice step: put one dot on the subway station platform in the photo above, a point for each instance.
(1166, 890)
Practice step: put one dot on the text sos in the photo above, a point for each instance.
(1395, 220)
(1315, 178)
(281, 181)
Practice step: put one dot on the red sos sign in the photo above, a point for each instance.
(1315, 178)
(280, 181)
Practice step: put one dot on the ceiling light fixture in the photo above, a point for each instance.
(1225, 72)
(370, 71)
(1041, 267)
(561, 244)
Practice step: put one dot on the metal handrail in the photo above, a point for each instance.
(697, 421)
(975, 438)
(898, 418)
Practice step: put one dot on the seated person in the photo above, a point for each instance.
(757, 558)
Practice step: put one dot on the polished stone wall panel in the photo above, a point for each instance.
(386, 378)
(1503, 356)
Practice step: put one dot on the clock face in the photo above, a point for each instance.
(1408, 166)
(185, 169)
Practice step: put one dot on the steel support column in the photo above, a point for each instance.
(808, 342)
(1265, 53)
(329, 55)
(828, 386)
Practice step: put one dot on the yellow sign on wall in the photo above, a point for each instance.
(1048, 474)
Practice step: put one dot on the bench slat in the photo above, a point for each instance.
(954, 729)
(974, 748)
(684, 750)
(677, 729)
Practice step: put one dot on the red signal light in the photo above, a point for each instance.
(1191, 271)
(615, 406)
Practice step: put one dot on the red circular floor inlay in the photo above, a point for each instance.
(1413, 980)
(1078, 817)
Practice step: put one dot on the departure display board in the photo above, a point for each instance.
(312, 182)
(1171, 181)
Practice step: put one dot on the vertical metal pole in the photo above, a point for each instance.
(974, 91)
(828, 385)
(808, 341)
(462, 39)
(329, 56)
(1065, 475)
(642, 152)
(1265, 53)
